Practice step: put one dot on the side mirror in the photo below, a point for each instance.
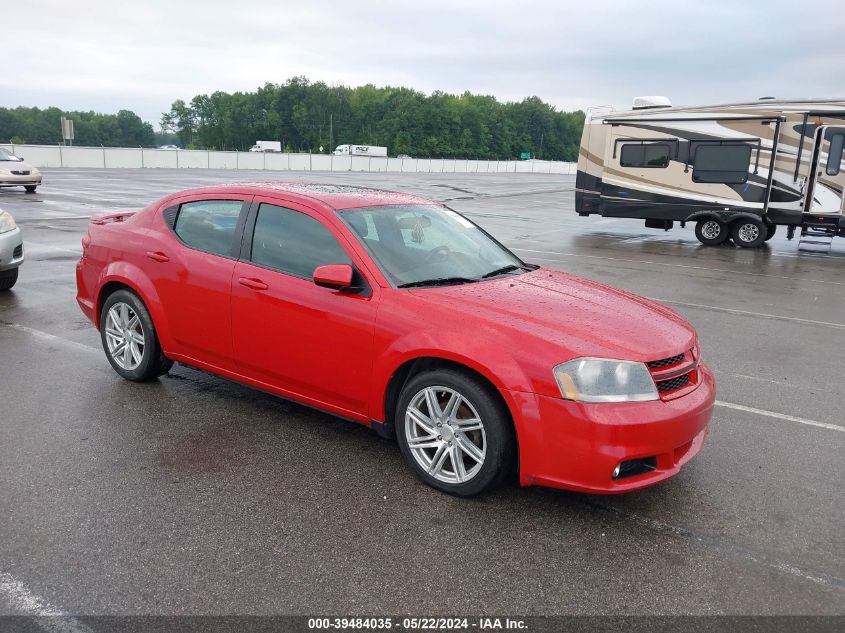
(335, 276)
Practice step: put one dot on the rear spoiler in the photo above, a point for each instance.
(107, 218)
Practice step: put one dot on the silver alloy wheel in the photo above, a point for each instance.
(711, 229)
(124, 336)
(748, 232)
(445, 434)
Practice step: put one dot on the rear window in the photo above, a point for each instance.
(209, 225)
(642, 155)
(726, 163)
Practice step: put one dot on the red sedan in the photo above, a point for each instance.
(401, 314)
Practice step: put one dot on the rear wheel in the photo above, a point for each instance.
(8, 278)
(748, 232)
(711, 232)
(30, 188)
(129, 338)
(454, 433)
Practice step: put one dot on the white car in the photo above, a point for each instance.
(14, 172)
(11, 250)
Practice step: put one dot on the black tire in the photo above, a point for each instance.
(30, 188)
(748, 232)
(771, 229)
(706, 231)
(153, 362)
(498, 435)
(8, 278)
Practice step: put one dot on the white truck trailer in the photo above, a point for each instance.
(266, 146)
(360, 150)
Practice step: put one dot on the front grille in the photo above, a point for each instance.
(21, 173)
(18, 252)
(665, 362)
(673, 383)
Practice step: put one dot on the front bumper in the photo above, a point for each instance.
(14, 180)
(576, 446)
(11, 249)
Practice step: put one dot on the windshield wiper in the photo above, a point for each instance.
(438, 281)
(504, 269)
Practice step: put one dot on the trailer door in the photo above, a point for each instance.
(824, 192)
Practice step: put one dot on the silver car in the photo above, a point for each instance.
(14, 172)
(11, 250)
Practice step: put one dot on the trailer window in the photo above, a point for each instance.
(727, 163)
(834, 155)
(642, 155)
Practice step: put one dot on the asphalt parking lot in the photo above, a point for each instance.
(192, 495)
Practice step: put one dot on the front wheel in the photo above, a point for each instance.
(454, 433)
(129, 338)
(711, 232)
(748, 232)
(30, 188)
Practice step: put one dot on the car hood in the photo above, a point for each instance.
(13, 165)
(582, 317)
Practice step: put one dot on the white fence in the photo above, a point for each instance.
(137, 158)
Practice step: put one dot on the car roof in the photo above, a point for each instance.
(333, 195)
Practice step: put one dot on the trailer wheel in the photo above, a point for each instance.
(771, 229)
(748, 232)
(711, 232)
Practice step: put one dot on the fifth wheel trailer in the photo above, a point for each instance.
(737, 170)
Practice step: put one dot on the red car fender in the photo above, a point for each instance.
(507, 377)
(135, 278)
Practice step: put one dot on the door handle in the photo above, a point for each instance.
(255, 284)
(158, 256)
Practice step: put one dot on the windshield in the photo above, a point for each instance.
(7, 155)
(418, 245)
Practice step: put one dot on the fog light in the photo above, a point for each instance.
(616, 471)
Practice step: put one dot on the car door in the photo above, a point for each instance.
(824, 191)
(309, 341)
(193, 274)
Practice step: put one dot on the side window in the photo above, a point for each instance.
(209, 225)
(834, 154)
(293, 242)
(727, 163)
(644, 155)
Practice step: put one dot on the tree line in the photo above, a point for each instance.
(306, 116)
(42, 127)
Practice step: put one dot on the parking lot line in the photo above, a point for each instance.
(52, 338)
(720, 544)
(780, 416)
(50, 618)
(58, 217)
(46, 336)
(656, 263)
(762, 315)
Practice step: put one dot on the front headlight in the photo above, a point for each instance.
(7, 222)
(5, 172)
(34, 171)
(603, 380)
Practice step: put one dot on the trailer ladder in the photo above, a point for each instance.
(817, 232)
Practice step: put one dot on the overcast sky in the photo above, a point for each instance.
(142, 55)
